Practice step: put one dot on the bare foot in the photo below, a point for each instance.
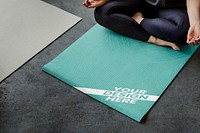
(161, 42)
(138, 17)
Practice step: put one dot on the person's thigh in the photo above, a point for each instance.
(179, 17)
(168, 24)
(127, 7)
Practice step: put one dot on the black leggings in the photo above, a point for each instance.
(170, 24)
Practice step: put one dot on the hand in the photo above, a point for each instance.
(193, 37)
(94, 3)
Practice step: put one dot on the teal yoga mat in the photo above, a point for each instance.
(123, 73)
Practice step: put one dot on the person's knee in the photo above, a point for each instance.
(182, 24)
(100, 15)
(103, 14)
(181, 28)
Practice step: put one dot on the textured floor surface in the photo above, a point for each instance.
(32, 101)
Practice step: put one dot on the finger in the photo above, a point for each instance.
(93, 5)
(198, 37)
(90, 1)
(190, 34)
(189, 38)
(86, 3)
(193, 42)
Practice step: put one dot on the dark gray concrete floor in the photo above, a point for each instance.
(32, 101)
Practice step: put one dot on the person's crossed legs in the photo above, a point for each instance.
(117, 16)
(168, 24)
